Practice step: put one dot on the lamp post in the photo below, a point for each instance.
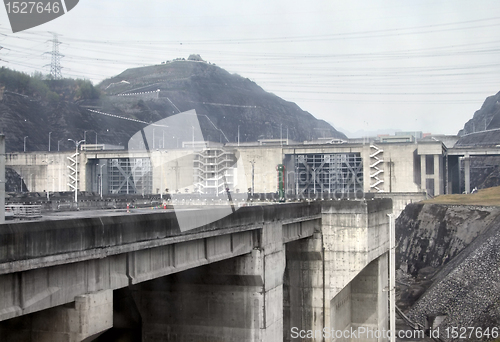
(281, 134)
(49, 140)
(58, 142)
(252, 162)
(161, 174)
(100, 187)
(238, 135)
(25, 143)
(77, 143)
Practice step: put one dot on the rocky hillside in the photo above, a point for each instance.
(148, 94)
(229, 100)
(486, 118)
(448, 259)
(483, 130)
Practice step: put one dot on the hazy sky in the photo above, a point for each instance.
(422, 65)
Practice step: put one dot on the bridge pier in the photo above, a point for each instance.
(85, 318)
(304, 297)
(241, 298)
(361, 306)
(355, 238)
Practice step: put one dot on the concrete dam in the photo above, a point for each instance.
(279, 272)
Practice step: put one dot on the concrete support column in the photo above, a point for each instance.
(303, 287)
(238, 299)
(423, 173)
(448, 184)
(467, 174)
(361, 306)
(84, 319)
(438, 175)
(355, 235)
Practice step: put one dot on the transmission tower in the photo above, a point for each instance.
(55, 64)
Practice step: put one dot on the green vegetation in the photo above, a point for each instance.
(45, 88)
(86, 90)
(22, 83)
(487, 197)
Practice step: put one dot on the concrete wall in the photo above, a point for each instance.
(399, 167)
(354, 235)
(86, 318)
(48, 170)
(304, 285)
(43, 171)
(265, 159)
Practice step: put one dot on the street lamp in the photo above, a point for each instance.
(101, 178)
(77, 143)
(25, 143)
(49, 140)
(253, 173)
(58, 142)
(161, 174)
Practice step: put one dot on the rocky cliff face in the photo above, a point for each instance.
(483, 130)
(451, 254)
(486, 118)
(430, 235)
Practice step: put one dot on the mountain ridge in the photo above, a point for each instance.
(148, 94)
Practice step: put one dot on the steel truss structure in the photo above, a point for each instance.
(130, 176)
(327, 173)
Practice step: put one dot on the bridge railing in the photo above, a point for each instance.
(24, 211)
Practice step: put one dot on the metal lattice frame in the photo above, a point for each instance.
(328, 173)
(129, 176)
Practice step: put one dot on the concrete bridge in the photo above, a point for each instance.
(264, 273)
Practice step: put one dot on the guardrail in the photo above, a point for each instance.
(24, 211)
